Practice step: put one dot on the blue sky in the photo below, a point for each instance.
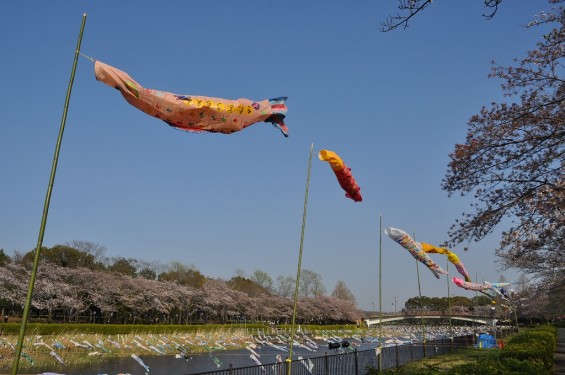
(392, 105)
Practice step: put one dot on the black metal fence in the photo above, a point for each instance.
(362, 362)
(355, 362)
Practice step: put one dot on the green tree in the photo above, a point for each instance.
(89, 247)
(439, 303)
(262, 279)
(147, 273)
(182, 274)
(123, 266)
(414, 303)
(63, 256)
(4, 259)
(247, 286)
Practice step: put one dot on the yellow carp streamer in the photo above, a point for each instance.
(454, 259)
(343, 174)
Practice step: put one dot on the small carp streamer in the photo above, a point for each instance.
(343, 174)
(407, 242)
(499, 288)
(452, 257)
(194, 113)
(140, 361)
(482, 288)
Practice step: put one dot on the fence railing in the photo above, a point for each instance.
(354, 362)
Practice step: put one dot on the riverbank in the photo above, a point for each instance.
(76, 348)
(72, 349)
(52, 352)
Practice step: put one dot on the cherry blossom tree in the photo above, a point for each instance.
(513, 162)
(83, 294)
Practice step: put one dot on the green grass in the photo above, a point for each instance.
(528, 359)
(440, 364)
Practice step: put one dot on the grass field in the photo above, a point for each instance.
(441, 363)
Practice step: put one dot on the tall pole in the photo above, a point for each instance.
(380, 287)
(475, 305)
(421, 305)
(448, 300)
(25, 315)
(292, 330)
(421, 309)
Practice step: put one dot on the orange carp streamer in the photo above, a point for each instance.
(343, 174)
(194, 113)
(454, 259)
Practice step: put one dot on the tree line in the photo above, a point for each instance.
(76, 282)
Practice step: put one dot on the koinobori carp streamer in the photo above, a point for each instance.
(451, 256)
(191, 112)
(414, 248)
(343, 174)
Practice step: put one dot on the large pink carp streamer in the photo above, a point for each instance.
(482, 288)
(194, 113)
(454, 259)
(343, 174)
(407, 242)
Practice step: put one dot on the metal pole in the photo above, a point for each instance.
(516, 317)
(25, 315)
(449, 302)
(299, 263)
(380, 288)
(475, 306)
(421, 306)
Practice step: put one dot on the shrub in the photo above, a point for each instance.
(536, 346)
(484, 367)
(518, 367)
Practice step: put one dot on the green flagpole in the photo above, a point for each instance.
(25, 315)
(292, 330)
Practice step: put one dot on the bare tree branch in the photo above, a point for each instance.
(409, 9)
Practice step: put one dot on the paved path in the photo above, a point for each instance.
(560, 352)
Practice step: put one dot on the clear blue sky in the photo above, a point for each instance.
(392, 105)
